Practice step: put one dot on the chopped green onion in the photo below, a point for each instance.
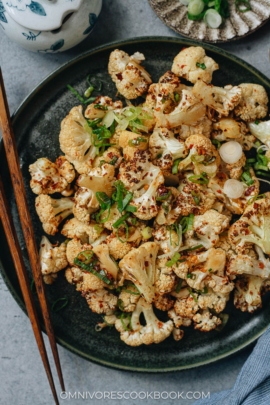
(131, 208)
(127, 232)
(193, 296)
(76, 93)
(184, 224)
(216, 143)
(65, 302)
(212, 18)
(192, 276)
(121, 220)
(173, 260)
(129, 291)
(133, 221)
(176, 97)
(201, 65)
(257, 166)
(164, 197)
(107, 323)
(33, 287)
(120, 304)
(197, 158)
(103, 200)
(196, 197)
(127, 200)
(263, 174)
(205, 291)
(99, 88)
(89, 269)
(210, 270)
(246, 3)
(246, 178)
(257, 122)
(112, 127)
(98, 228)
(137, 141)
(147, 233)
(195, 7)
(177, 231)
(190, 222)
(194, 248)
(209, 161)
(251, 160)
(199, 179)
(175, 166)
(100, 107)
(159, 155)
(88, 254)
(179, 285)
(88, 91)
(123, 323)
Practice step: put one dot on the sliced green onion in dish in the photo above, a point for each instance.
(100, 107)
(193, 296)
(216, 143)
(196, 197)
(192, 276)
(176, 95)
(255, 198)
(90, 269)
(175, 166)
(128, 329)
(190, 222)
(239, 4)
(103, 199)
(129, 291)
(99, 88)
(164, 197)
(263, 174)
(177, 229)
(179, 285)
(173, 260)
(257, 123)
(246, 178)
(193, 248)
(199, 179)
(205, 291)
(121, 220)
(98, 228)
(224, 318)
(197, 158)
(120, 304)
(212, 18)
(196, 7)
(147, 233)
(56, 307)
(257, 166)
(127, 232)
(82, 100)
(88, 255)
(201, 65)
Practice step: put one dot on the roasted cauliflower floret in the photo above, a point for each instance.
(94, 113)
(186, 204)
(112, 156)
(52, 259)
(167, 239)
(117, 249)
(142, 178)
(101, 301)
(254, 102)
(130, 142)
(166, 206)
(205, 321)
(139, 266)
(85, 282)
(130, 77)
(107, 264)
(187, 307)
(87, 233)
(212, 300)
(228, 129)
(163, 302)
(49, 177)
(236, 169)
(165, 148)
(201, 127)
(207, 228)
(247, 293)
(154, 331)
(223, 100)
(193, 64)
(261, 131)
(52, 212)
(178, 334)
(99, 179)
(129, 297)
(253, 227)
(76, 140)
(165, 277)
(188, 111)
(110, 217)
(75, 247)
(245, 264)
(179, 320)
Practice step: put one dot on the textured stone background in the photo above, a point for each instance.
(22, 378)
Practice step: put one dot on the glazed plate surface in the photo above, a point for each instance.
(174, 14)
(37, 125)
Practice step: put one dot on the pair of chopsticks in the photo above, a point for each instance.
(5, 214)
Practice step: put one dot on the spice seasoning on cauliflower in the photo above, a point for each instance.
(153, 203)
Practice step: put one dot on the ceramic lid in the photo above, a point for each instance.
(40, 15)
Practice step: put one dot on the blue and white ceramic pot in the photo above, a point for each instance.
(48, 26)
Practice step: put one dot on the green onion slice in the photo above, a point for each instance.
(199, 179)
(216, 143)
(173, 260)
(191, 293)
(164, 197)
(175, 166)
(121, 220)
(179, 285)
(137, 141)
(99, 88)
(89, 269)
(196, 197)
(245, 3)
(201, 65)
(56, 308)
(127, 232)
(190, 222)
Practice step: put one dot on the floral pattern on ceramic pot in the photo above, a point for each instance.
(22, 5)
(2, 13)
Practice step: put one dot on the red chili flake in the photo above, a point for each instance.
(219, 191)
(261, 265)
(255, 205)
(191, 146)
(246, 232)
(119, 76)
(182, 66)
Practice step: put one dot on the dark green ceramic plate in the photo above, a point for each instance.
(36, 125)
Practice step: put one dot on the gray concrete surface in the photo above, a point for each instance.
(22, 378)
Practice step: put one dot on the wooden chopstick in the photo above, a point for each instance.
(25, 218)
(16, 254)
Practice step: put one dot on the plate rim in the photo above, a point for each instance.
(23, 104)
(208, 41)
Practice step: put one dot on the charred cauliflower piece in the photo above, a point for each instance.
(212, 300)
(236, 169)
(247, 293)
(253, 104)
(187, 65)
(253, 227)
(228, 129)
(129, 300)
(154, 331)
(137, 143)
(101, 301)
(76, 140)
(207, 228)
(205, 321)
(165, 148)
(85, 282)
(117, 249)
(112, 156)
(186, 307)
(139, 266)
(99, 179)
(49, 177)
(202, 127)
(87, 233)
(179, 320)
(223, 100)
(142, 178)
(245, 264)
(130, 77)
(52, 212)
(94, 113)
(52, 259)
